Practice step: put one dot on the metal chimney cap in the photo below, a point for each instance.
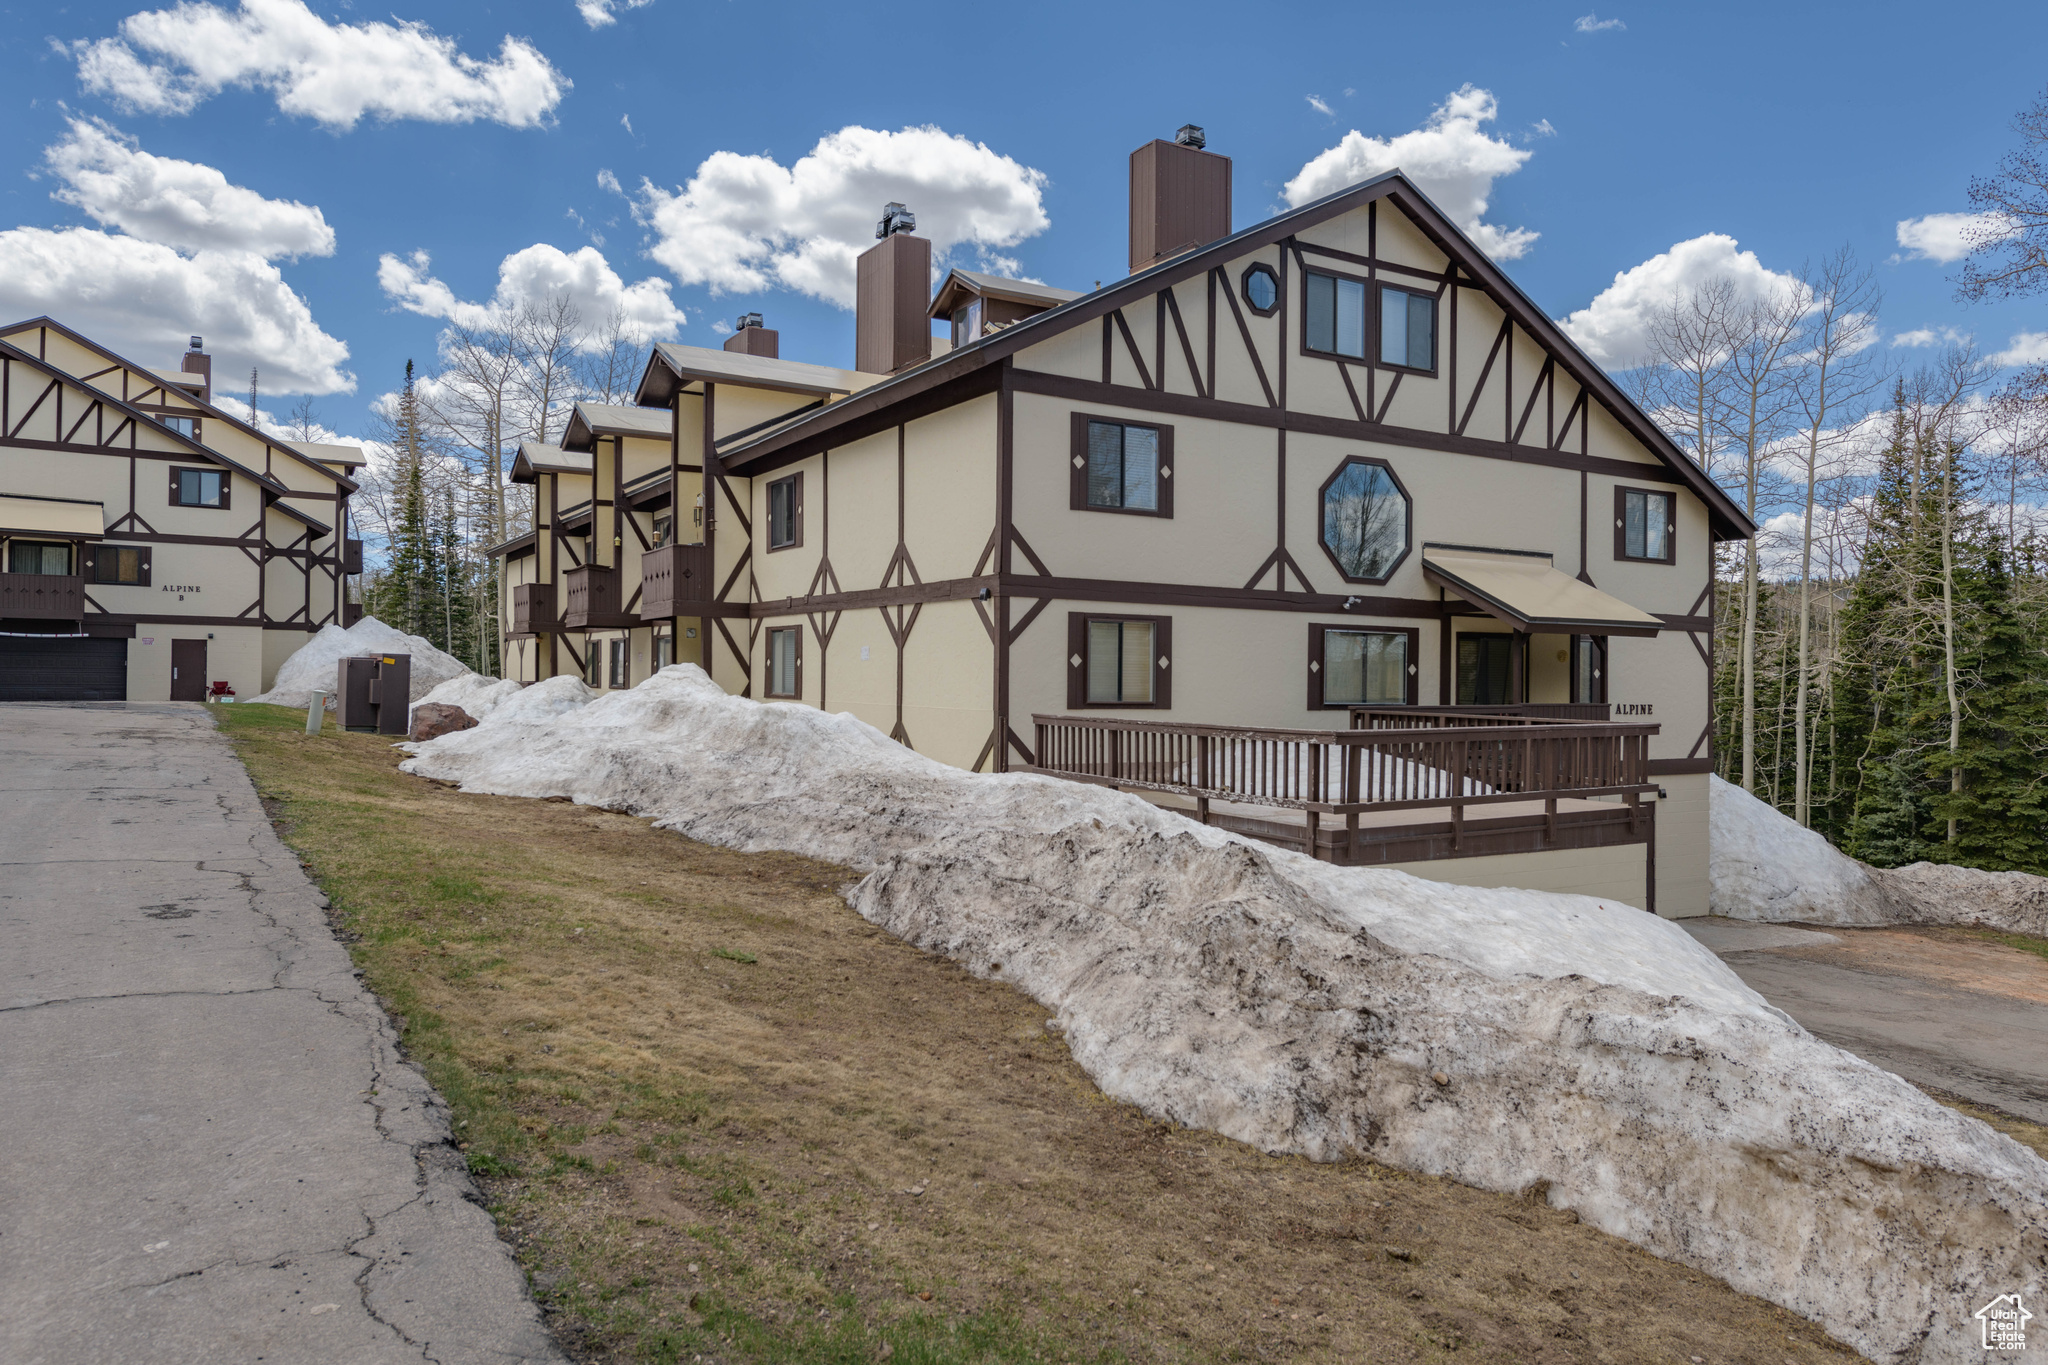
(198, 343)
(895, 218)
(1191, 136)
(747, 320)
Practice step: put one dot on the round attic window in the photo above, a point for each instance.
(1262, 289)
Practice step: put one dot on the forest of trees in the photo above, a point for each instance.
(1880, 667)
(1881, 648)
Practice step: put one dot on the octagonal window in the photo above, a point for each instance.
(1366, 518)
(1262, 289)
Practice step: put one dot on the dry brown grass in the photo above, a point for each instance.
(721, 1116)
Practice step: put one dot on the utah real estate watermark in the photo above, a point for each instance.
(2004, 1322)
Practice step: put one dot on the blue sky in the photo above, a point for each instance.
(1784, 127)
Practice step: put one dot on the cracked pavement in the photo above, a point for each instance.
(210, 1148)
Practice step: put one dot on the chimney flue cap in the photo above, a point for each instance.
(747, 320)
(198, 343)
(895, 218)
(1191, 136)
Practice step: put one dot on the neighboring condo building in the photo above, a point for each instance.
(151, 545)
(1335, 459)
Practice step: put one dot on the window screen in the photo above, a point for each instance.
(28, 556)
(1336, 315)
(1123, 466)
(1120, 663)
(118, 564)
(1646, 524)
(1407, 328)
(782, 662)
(201, 488)
(782, 504)
(1365, 668)
(1483, 669)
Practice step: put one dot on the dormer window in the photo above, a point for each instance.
(967, 323)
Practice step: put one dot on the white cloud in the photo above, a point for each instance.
(1929, 336)
(1321, 106)
(2026, 348)
(746, 223)
(1942, 237)
(277, 424)
(600, 13)
(1451, 159)
(169, 61)
(178, 203)
(607, 181)
(534, 275)
(1543, 128)
(626, 122)
(1593, 23)
(144, 299)
(1614, 329)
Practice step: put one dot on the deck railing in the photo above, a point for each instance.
(533, 609)
(1347, 773)
(42, 596)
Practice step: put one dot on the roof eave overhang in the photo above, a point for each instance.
(1544, 625)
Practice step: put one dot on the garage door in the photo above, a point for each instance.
(32, 669)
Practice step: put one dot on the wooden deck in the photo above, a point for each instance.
(1402, 785)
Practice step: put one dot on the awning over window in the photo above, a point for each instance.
(64, 517)
(1524, 590)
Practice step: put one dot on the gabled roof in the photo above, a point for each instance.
(983, 352)
(174, 377)
(588, 421)
(538, 457)
(264, 481)
(671, 367)
(960, 282)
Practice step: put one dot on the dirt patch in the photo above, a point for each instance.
(720, 1115)
(1986, 960)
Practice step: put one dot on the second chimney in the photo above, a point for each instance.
(749, 337)
(1180, 197)
(198, 362)
(893, 286)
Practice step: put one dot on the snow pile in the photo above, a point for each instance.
(1766, 866)
(477, 695)
(1513, 1040)
(311, 666)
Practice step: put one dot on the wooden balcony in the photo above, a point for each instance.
(593, 600)
(1379, 793)
(533, 609)
(675, 580)
(42, 596)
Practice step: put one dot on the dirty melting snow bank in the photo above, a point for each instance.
(1767, 866)
(476, 693)
(1588, 1050)
(311, 666)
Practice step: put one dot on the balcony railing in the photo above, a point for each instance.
(42, 596)
(1516, 713)
(592, 601)
(675, 580)
(533, 609)
(1401, 792)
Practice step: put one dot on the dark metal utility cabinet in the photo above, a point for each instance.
(374, 693)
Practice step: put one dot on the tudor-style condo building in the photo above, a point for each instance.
(1320, 530)
(153, 547)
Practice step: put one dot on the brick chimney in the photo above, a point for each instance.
(749, 337)
(891, 329)
(198, 362)
(1180, 197)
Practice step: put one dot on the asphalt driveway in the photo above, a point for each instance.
(210, 1149)
(1942, 1008)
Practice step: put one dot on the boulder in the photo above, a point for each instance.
(431, 720)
